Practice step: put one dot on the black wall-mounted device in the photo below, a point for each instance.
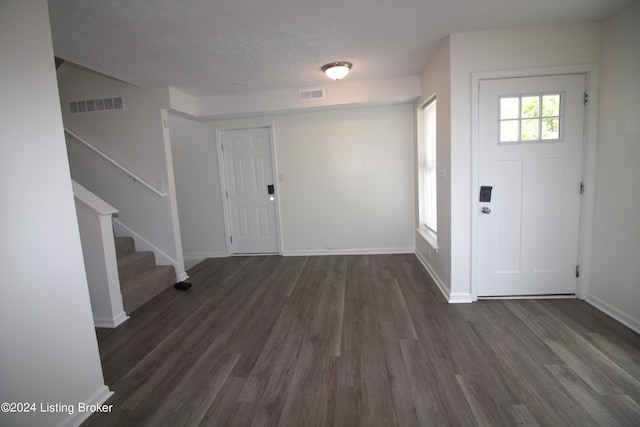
(485, 194)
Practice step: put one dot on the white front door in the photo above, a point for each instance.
(250, 190)
(530, 169)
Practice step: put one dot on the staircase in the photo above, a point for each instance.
(140, 278)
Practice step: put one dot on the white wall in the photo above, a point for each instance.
(348, 180)
(198, 191)
(494, 51)
(337, 93)
(49, 351)
(436, 81)
(136, 139)
(615, 270)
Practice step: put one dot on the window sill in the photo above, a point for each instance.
(430, 237)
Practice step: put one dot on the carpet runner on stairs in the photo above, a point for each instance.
(140, 278)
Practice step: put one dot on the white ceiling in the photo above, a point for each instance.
(212, 47)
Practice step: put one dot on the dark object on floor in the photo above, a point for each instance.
(182, 286)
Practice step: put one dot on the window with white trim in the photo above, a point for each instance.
(428, 171)
(530, 118)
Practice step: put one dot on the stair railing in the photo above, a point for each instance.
(115, 163)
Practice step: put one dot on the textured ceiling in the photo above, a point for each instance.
(211, 47)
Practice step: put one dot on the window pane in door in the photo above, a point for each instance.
(530, 106)
(550, 128)
(509, 108)
(551, 105)
(529, 131)
(509, 131)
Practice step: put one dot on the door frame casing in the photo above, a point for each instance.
(219, 130)
(591, 73)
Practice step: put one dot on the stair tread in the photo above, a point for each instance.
(134, 256)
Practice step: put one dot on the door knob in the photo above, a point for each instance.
(485, 210)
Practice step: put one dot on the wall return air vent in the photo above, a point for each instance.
(95, 105)
(310, 95)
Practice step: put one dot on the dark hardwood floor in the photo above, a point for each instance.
(362, 340)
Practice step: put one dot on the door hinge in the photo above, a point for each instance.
(586, 98)
(577, 271)
(582, 188)
(222, 147)
(226, 194)
(231, 239)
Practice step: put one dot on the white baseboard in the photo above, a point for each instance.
(439, 283)
(624, 318)
(203, 255)
(191, 259)
(459, 298)
(77, 418)
(362, 251)
(107, 322)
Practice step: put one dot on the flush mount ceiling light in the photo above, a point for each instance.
(337, 70)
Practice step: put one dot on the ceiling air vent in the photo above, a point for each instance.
(95, 105)
(310, 95)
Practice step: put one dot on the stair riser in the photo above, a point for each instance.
(146, 285)
(134, 264)
(124, 246)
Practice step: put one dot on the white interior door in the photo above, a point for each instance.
(530, 155)
(250, 191)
